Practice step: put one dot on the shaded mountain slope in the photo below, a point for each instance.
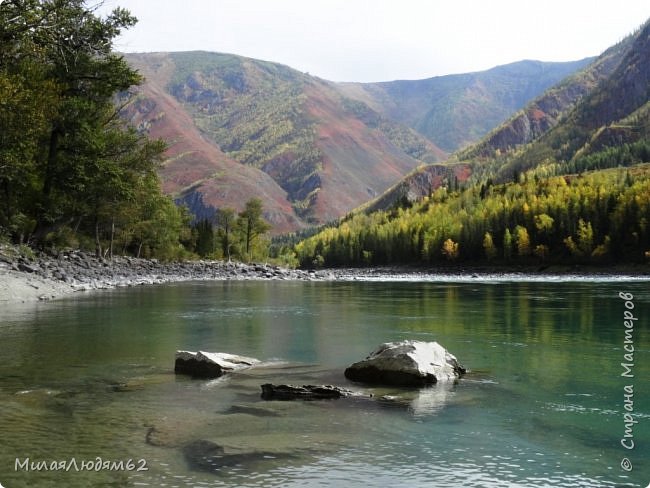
(615, 112)
(456, 110)
(544, 112)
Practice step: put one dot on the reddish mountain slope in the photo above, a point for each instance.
(242, 127)
(196, 170)
(358, 163)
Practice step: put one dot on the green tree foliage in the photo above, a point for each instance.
(507, 244)
(251, 226)
(233, 236)
(523, 241)
(68, 165)
(226, 221)
(489, 247)
(602, 215)
(205, 238)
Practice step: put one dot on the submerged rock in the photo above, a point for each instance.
(406, 363)
(205, 455)
(252, 410)
(305, 392)
(210, 364)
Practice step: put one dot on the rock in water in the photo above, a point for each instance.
(210, 364)
(205, 455)
(305, 392)
(406, 363)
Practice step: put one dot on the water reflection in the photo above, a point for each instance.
(92, 376)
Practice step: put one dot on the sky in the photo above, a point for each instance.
(382, 40)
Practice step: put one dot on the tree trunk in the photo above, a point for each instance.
(41, 227)
(98, 244)
(110, 249)
(53, 149)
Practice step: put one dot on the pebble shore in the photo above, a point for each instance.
(43, 277)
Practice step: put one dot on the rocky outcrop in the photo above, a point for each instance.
(305, 392)
(406, 363)
(210, 364)
(419, 184)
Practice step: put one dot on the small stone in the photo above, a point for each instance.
(210, 364)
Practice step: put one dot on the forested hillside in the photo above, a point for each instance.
(327, 147)
(595, 217)
(578, 192)
(71, 172)
(293, 134)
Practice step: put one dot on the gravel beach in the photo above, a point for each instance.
(26, 278)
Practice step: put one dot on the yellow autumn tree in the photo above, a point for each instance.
(450, 249)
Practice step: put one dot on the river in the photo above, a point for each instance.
(89, 379)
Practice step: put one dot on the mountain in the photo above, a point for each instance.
(574, 189)
(313, 150)
(545, 111)
(541, 131)
(196, 171)
(456, 110)
(325, 153)
(608, 108)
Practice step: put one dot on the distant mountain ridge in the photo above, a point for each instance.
(608, 106)
(604, 105)
(564, 181)
(313, 150)
(456, 110)
(544, 112)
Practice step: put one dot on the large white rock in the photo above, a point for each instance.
(210, 364)
(406, 363)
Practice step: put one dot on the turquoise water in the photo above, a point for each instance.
(92, 377)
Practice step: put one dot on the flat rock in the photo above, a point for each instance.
(210, 364)
(304, 392)
(406, 363)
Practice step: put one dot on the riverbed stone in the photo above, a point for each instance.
(304, 392)
(203, 364)
(208, 456)
(406, 363)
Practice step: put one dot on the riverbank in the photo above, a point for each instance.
(25, 276)
(451, 272)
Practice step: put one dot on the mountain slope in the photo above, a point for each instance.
(545, 111)
(613, 113)
(456, 110)
(196, 171)
(530, 137)
(314, 143)
(577, 193)
(315, 149)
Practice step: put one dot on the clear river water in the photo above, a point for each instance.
(87, 388)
